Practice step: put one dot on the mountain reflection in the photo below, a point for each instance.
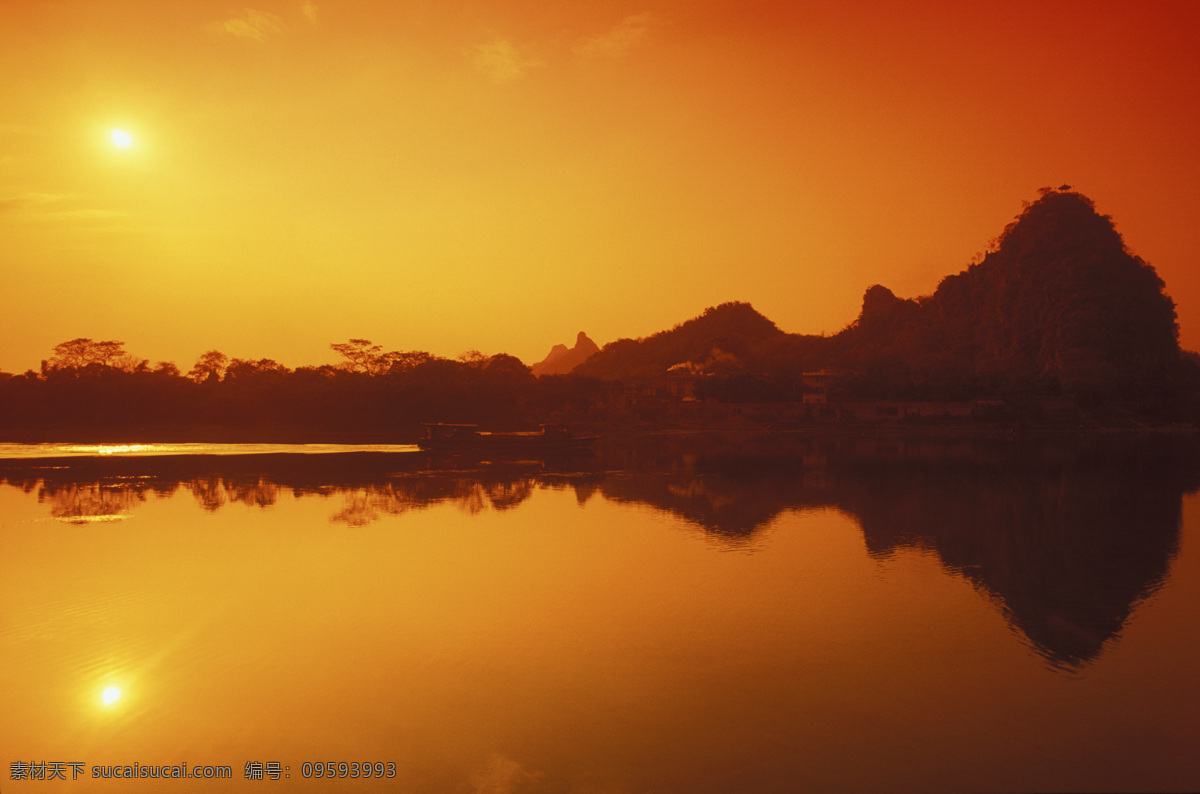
(1067, 538)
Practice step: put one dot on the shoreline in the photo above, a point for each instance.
(607, 432)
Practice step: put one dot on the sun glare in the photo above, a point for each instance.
(122, 139)
(110, 695)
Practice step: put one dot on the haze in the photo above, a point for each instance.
(451, 175)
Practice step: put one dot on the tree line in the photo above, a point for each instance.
(87, 389)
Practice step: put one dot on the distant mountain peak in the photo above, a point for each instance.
(563, 359)
(735, 329)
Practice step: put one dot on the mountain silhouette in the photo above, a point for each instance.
(729, 335)
(563, 359)
(1058, 306)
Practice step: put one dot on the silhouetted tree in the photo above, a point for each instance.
(210, 367)
(127, 362)
(362, 356)
(79, 353)
(399, 363)
(241, 368)
(473, 358)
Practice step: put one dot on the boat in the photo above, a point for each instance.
(548, 439)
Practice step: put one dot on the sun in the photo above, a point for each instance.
(122, 139)
(110, 695)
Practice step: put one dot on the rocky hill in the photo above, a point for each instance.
(563, 359)
(1058, 306)
(729, 336)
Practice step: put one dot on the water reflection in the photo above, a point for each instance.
(87, 503)
(1068, 541)
(1066, 538)
(368, 503)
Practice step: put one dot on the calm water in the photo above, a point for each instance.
(678, 615)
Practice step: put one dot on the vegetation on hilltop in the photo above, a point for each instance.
(723, 336)
(1059, 306)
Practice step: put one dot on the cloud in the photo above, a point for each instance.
(92, 214)
(310, 11)
(27, 201)
(53, 208)
(252, 24)
(618, 41)
(39, 198)
(499, 61)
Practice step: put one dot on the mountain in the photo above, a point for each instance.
(563, 359)
(1062, 298)
(729, 336)
(1059, 305)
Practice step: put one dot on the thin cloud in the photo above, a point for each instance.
(500, 61)
(38, 198)
(91, 214)
(252, 24)
(27, 201)
(309, 10)
(628, 33)
(53, 208)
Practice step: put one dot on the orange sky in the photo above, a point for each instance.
(500, 174)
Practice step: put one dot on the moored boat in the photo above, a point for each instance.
(549, 438)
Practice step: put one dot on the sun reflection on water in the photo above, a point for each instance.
(122, 449)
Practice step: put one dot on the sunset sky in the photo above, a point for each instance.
(444, 175)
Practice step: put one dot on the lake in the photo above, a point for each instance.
(670, 614)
